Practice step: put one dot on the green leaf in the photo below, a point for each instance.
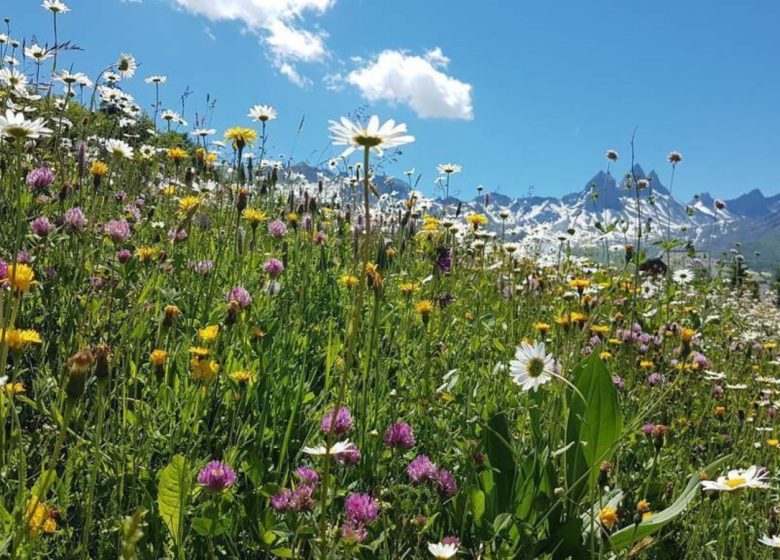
(502, 461)
(477, 503)
(207, 527)
(634, 533)
(594, 424)
(173, 490)
(282, 552)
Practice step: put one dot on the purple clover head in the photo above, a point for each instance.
(399, 436)
(217, 477)
(446, 485)
(361, 508)
(41, 226)
(74, 219)
(277, 229)
(307, 475)
(273, 267)
(341, 424)
(40, 178)
(240, 295)
(421, 469)
(118, 230)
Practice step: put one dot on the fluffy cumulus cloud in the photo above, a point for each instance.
(417, 81)
(277, 23)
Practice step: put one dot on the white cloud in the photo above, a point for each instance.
(277, 23)
(417, 81)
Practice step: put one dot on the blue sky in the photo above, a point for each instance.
(520, 93)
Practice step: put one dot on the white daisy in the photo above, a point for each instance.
(156, 79)
(449, 168)
(683, 276)
(55, 6)
(532, 366)
(335, 449)
(13, 79)
(119, 148)
(442, 551)
(773, 541)
(262, 113)
(126, 65)
(753, 477)
(37, 53)
(373, 136)
(16, 125)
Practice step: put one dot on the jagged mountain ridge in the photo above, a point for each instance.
(605, 210)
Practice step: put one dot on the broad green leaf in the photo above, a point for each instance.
(477, 503)
(282, 552)
(629, 535)
(500, 454)
(594, 424)
(173, 492)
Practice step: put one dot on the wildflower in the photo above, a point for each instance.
(421, 469)
(353, 532)
(273, 267)
(307, 475)
(40, 178)
(442, 551)
(217, 477)
(348, 280)
(209, 333)
(476, 220)
(446, 485)
(118, 230)
(126, 65)
(373, 136)
(20, 339)
(177, 154)
(79, 365)
(242, 376)
(449, 168)
(240, 296)
(674, 158)
(772, 542)
(608, 517)
(41, 226)
(40, 517)
(409, 288)
(341, 424)
(16, 126)
(254, 216)
(752, 477)
(612, 155)
(361, 508)
(262, 113)
(241, 137)
(74, 219)
(399, 436)
(98, 169)
(579, 284)
(682, 276)
(19, 277)
(188, 203)
(55, 6)
(424, 308)
(146, 254)
(532, 366)
(277, 229)
(203, 369)
(335, 449)
(373, 275)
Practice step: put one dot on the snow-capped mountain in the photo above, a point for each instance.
(605, 213)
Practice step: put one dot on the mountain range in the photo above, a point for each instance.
(604, 212)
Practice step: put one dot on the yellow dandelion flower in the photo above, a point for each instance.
(241, 136)
(599, 329)
(19, 339)
(146, 254)
(204, 370)
(98, 169)
(242, 376)
(608, 517)
(20, 277)
(158, 357)
(476, 220)
(177, 154)
(254, 216)
(409, 288)
(208, 333)
(348, 280)
(579, 284)
(170, 190)
(199, 351)
(14, 388)
(188, 203)
(424, 307)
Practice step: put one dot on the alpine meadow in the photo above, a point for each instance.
(213, 350)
